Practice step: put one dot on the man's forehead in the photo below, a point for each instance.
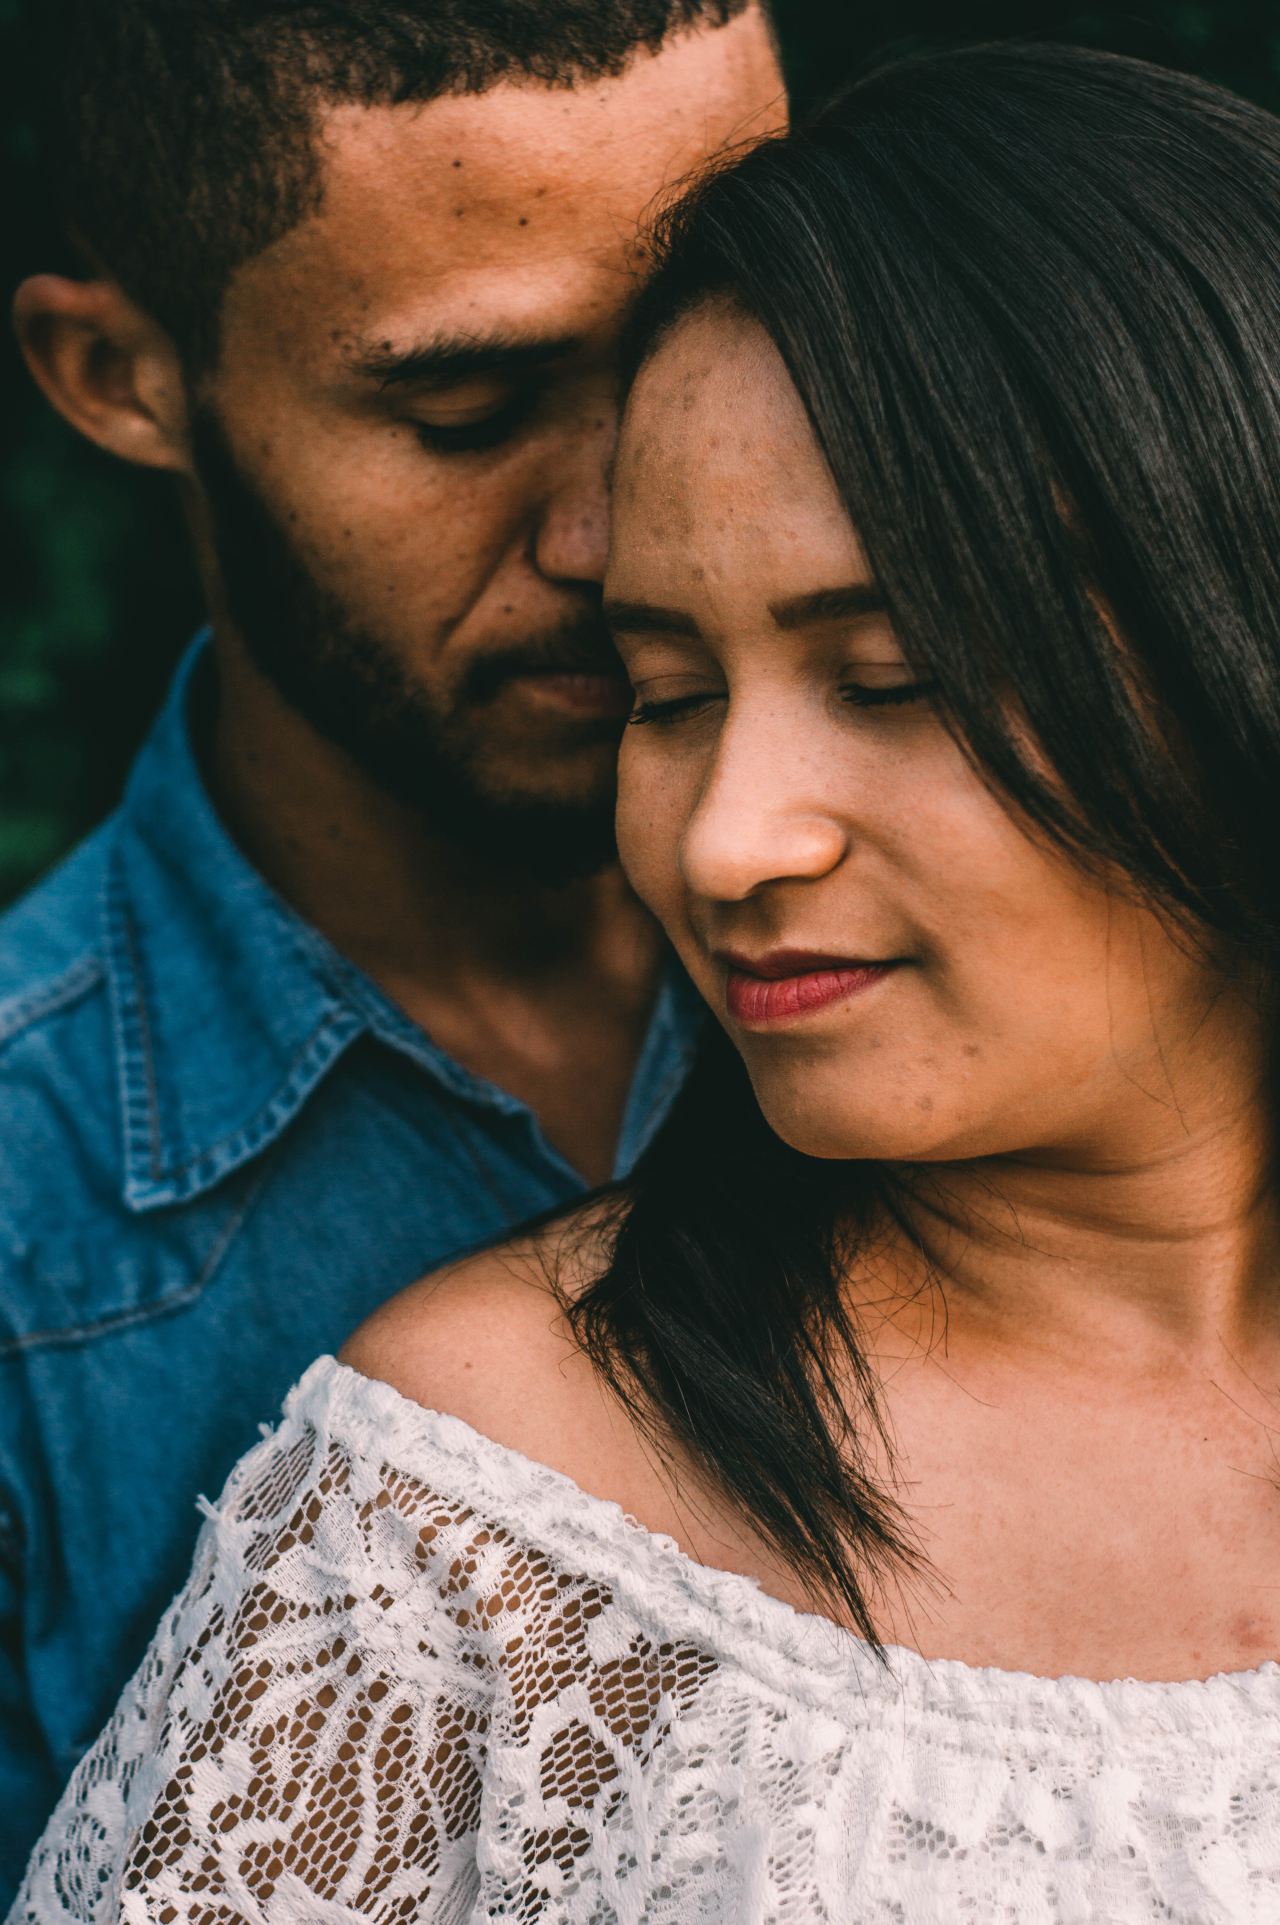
(462, 186)
(525, 172)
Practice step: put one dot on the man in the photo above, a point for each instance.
(351, 982)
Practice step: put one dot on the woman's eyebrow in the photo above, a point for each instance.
(829, 605)
(821, 605)
(648, 618)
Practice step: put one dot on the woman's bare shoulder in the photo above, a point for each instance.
(486, 1339)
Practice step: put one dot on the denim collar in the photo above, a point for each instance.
(228, 1008)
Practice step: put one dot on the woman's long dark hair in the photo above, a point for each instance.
(1030, 297)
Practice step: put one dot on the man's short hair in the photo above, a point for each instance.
(185, 138)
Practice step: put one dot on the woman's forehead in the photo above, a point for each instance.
(718, 476)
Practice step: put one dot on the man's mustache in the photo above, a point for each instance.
(584, 649)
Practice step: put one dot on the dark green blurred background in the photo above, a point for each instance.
(97, 593)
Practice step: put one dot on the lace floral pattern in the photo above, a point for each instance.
(416, 1677)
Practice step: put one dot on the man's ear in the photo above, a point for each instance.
(111, 370)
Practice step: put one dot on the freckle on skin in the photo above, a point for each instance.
(458, 213)
(971, 1049)
(1248, 1630)
(457, 163)
(523, 221)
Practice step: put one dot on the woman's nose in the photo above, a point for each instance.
(758, 821)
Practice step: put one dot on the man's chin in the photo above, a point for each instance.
(499, 809)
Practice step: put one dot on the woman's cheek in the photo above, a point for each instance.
(650, 823)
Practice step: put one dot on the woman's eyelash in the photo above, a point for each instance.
(671, 711)
(857, 694)
(471, 437)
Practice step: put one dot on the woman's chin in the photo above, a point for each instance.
(909, 1128)
(864, 1139)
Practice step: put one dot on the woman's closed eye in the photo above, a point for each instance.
(674, 709)
(859, 695)
(863, 695)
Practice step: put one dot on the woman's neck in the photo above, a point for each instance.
(1163, 1241)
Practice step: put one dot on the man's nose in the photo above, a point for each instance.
(760, 819)
(572, 539)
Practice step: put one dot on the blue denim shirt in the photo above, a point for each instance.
(220, 1147)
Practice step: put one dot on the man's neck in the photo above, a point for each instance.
(545, 992)
(396, 897)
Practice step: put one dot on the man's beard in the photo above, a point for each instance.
(348, 685)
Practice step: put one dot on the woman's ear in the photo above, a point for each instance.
(107, 367)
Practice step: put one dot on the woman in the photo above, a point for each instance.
(872, 1513)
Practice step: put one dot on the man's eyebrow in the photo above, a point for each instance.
(829, 605)
(648, 618)
(449, 358)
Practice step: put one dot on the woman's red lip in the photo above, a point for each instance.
(776, 963)
(756, 998)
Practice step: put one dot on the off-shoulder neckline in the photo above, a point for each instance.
(798, 1651)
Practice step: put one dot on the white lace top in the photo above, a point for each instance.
(415, 1676)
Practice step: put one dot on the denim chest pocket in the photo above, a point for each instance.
(71, 1282)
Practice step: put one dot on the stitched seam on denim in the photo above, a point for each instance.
(10, 1540)
(246, 1130)
(144, 1313)
(18, 1016)
(133, 1036)
(408, 1039)
(665, 1092)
